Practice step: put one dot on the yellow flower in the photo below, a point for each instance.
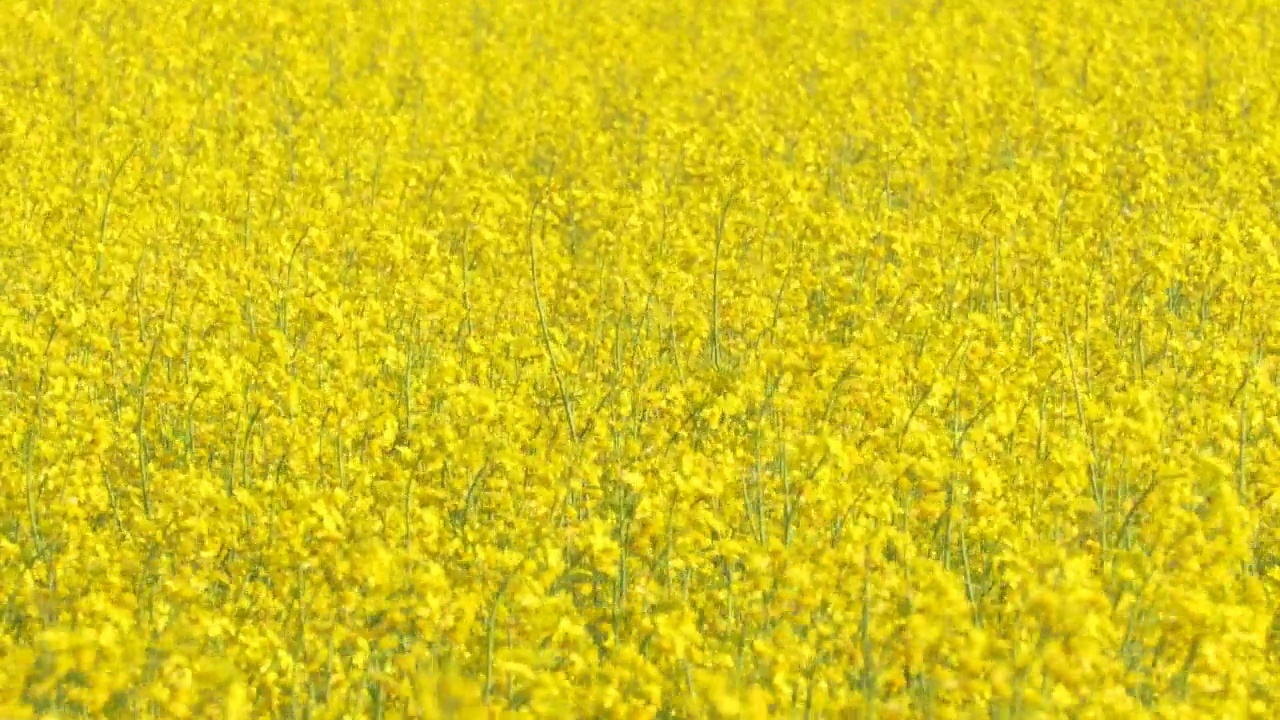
(556, 359)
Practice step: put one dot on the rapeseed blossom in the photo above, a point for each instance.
(637, 360)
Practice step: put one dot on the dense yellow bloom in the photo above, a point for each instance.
(648, 359)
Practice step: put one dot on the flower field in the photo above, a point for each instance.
(657, 359)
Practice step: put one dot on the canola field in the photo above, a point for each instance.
(649, 359)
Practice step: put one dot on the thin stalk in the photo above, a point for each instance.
(489, 637)
(106, 205)
(542, 322)
(1243, 436)
(32, 433)
(715, 282)
(140, 430)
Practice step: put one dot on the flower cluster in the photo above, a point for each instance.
(639, 359)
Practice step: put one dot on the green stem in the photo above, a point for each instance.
(542, 322)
